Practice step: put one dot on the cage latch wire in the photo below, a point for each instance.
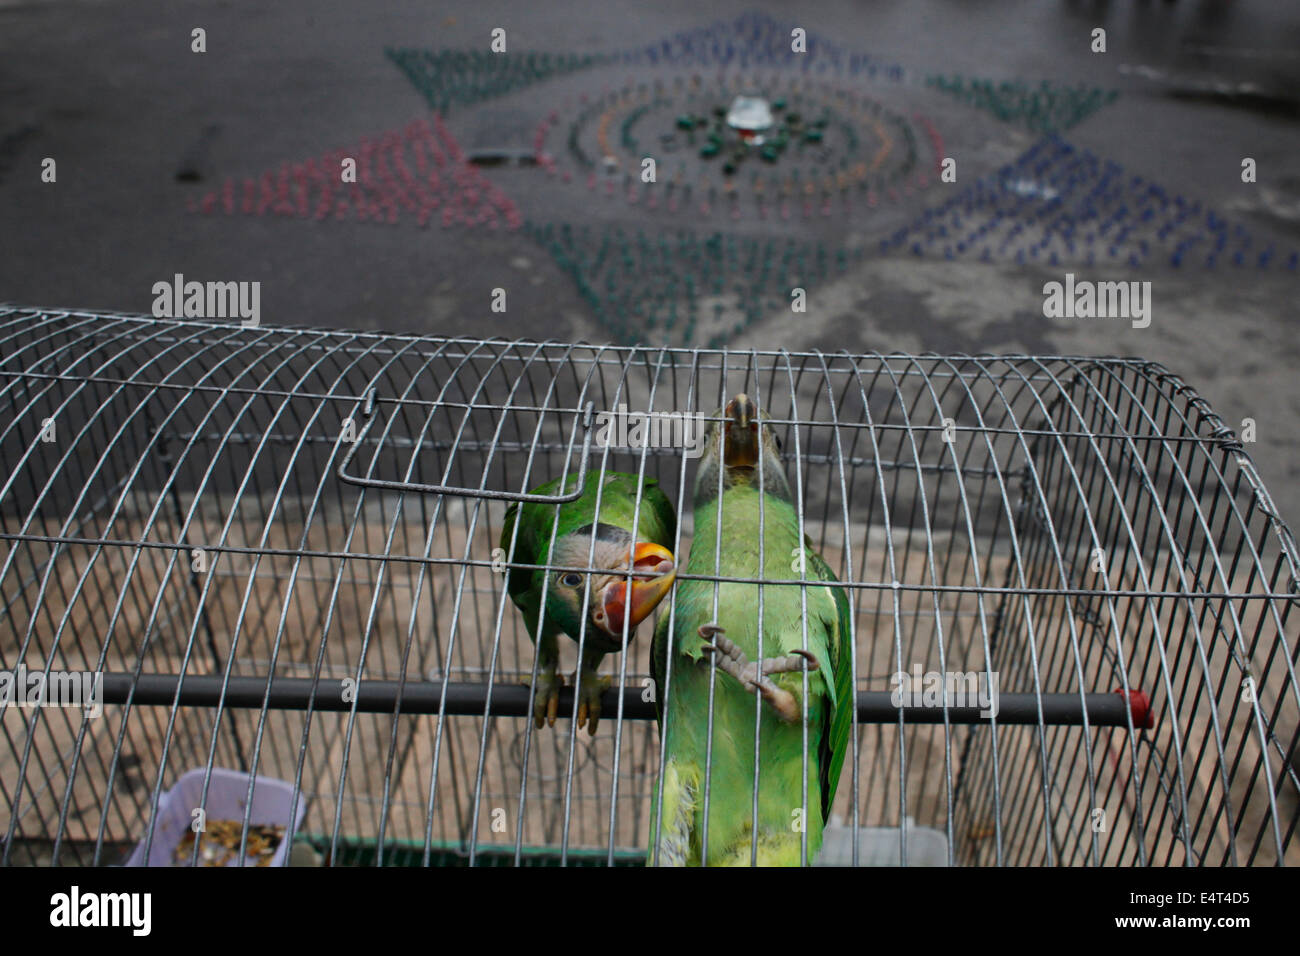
(368, 413)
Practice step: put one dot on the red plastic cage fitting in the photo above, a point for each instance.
(1139, 705)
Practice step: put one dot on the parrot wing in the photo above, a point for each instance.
(660, 648)
(518, 582)
(665, 514)
(530, 547)
(838, 724)
(656, 519)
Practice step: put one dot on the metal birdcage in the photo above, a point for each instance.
(278, 547)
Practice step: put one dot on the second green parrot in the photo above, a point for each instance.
(805, 632)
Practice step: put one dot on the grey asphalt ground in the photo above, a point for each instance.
(113, 92)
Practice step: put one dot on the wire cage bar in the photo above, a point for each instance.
(278, 548)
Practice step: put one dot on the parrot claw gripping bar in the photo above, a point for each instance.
(732, 660)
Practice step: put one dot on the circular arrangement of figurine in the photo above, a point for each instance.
(745, 144)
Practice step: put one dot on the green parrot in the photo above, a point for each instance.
(728, 639)
(619, 547)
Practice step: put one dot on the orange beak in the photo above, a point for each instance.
(656, 570)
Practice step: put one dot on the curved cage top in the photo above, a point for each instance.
(232, 524)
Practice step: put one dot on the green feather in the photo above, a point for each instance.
(682, 661)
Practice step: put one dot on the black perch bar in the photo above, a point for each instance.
(464, 698)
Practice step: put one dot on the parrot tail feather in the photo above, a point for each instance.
(673, 848)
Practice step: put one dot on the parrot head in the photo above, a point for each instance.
(736, 445)
(612, 598)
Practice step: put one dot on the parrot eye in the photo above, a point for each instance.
(571, 580)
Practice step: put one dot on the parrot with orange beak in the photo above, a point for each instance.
(627, 548)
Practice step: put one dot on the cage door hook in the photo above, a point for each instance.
(368, 411)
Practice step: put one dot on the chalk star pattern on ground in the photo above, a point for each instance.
(418, 171)
(1059, 205)
(740, 214)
